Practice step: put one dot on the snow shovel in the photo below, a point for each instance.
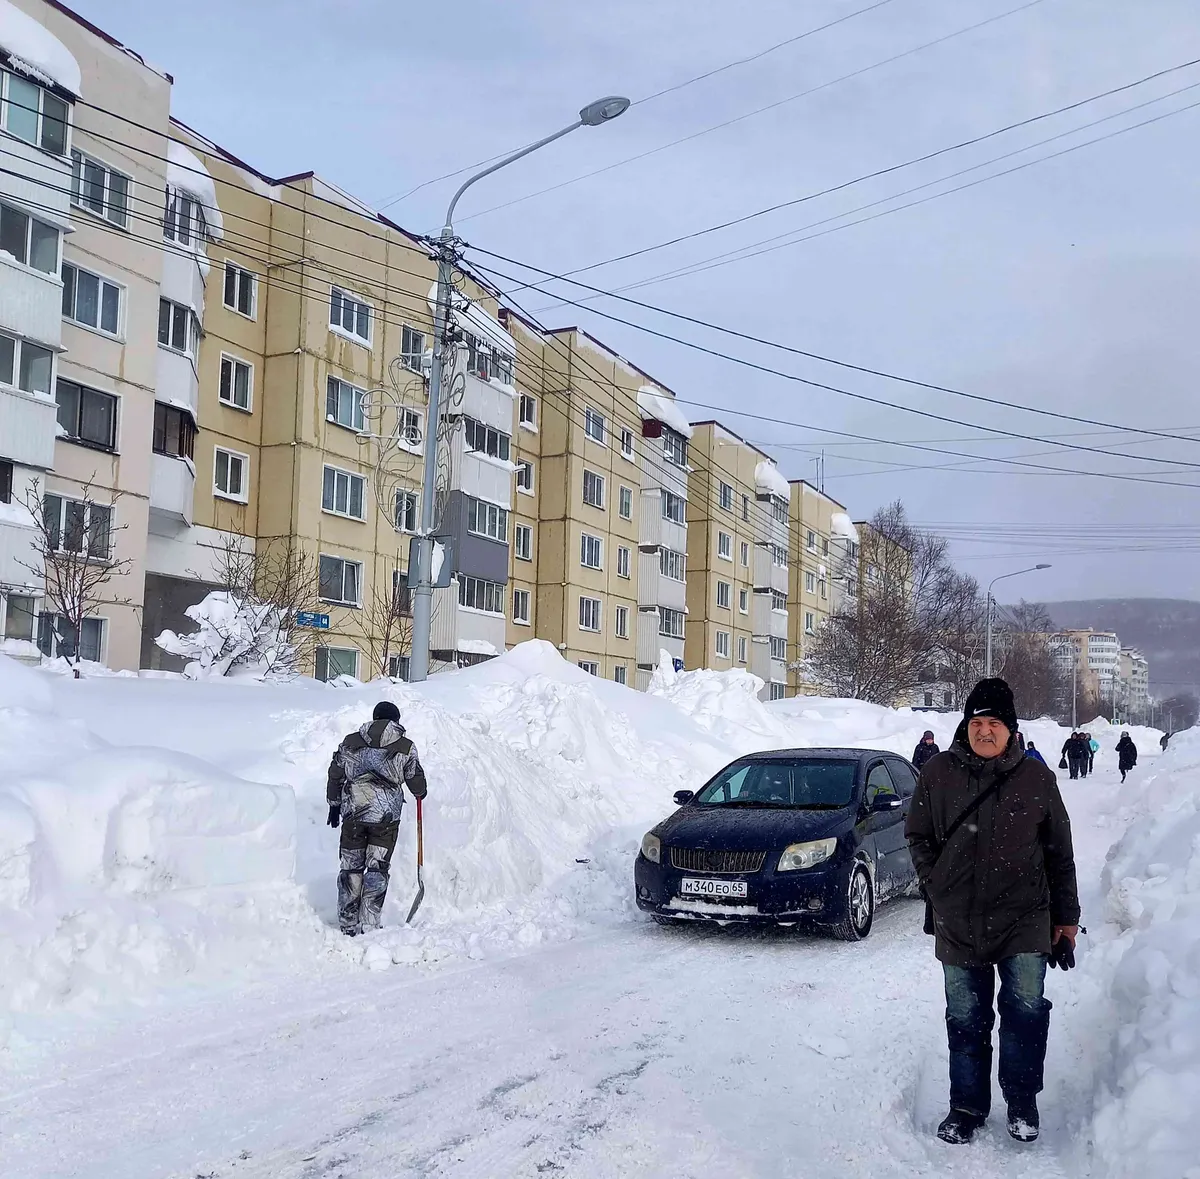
(420, 865)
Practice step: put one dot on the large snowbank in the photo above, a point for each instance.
(38, 52)
(186, 172)
(1145, 1117)
(769, 481)
(840, 525)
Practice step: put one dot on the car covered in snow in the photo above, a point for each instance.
(793, 836)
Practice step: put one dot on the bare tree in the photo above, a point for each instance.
(1026, 660)
(74, 557)
(385, 623)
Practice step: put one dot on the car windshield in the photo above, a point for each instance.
(809, 782)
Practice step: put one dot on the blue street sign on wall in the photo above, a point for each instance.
(314, 621)
(678, 663)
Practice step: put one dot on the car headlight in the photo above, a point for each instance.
(652, 848)
(806, 855)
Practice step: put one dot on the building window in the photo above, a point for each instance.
(619, 674)
(779, 509)
(34, 114)
(229, 475)
(810, 541)
(525, 476)
(56, 637)
(19, 614)
(621, 625)
(670, 622)
(928, 699)
(589, 614)
(26, 366)
(409, 429)
(344, 404)
(486, 439)
(86, 415)
(332, 662)
(398, 667)
(487, 519)
(6, 482)
(825, 546)
(593, 489)
(810, 583)
(488, 363)
(593, 425)
(724, 594)
(339, 581)
(778, 691)
(622, 561)
(625, 503)
(591, 551)
(778, 648)
(672, 564)
(174, 431)
(810, 623)
(725, 497)
(520, 611)
(590, 666)
(627, 444)
(241, 289)
(947, 698)
(236, 383)
(177, 327)
(31, 242)
(673, 507)
(745, 554)
(779, 556)
(527, 412)
(349, 315)
(746, 508)
(476, 593)
(824, 588)
(779, 601)
(91, 300)
(523, 542)
(412, 349)
(723, 644)
(674, 447)
(744, 601)
(742, 648)
(183, 219)
(343, 493)
(724, 546)
(406, 518)
(75, 527)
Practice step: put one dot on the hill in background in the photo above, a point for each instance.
(1165, 630)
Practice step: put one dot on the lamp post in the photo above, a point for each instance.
(991, 602)
(603, 110)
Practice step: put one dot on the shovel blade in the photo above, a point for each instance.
(416, 902)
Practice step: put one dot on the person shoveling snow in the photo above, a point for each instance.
(365, 791)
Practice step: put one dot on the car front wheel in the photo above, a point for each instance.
(860, 907)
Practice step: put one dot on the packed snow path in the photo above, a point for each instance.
(690, 1052)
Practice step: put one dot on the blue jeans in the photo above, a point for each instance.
(1024, 1026)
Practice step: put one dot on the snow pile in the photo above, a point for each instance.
(840, 525)
(187, 173)
(36, 51)
(769, 481)
(658, 407)
(232, 633)
(1144, 1124)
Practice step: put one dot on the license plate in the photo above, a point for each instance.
(691, 887)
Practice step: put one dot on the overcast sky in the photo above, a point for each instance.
(1070, 285)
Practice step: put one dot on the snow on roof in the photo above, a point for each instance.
(658, 407)
(841, 525)
(768, 479)
(339, 196)
(36, 51)
(186, 173)
(476, 647)
(472, 318)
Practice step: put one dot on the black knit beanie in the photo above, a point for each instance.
(992, 698)
(386, 710)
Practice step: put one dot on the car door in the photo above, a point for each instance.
(885, 828)
(905, 778)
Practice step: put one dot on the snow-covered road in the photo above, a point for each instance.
(689, 1052)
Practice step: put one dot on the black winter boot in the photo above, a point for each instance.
(1023, 1123)
(958, 1127)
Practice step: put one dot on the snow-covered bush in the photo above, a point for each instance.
(233, 633)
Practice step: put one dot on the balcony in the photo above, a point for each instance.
(28, 425)
(487, 402)
(182, 281)
(765, 620)
(654, 529)
(650, 644)
(768, 575)
(470, 632)
(656, 590)
(17, 543)
(176, 382)
(484, 477)
(172, 488)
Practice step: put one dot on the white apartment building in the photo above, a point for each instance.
(769, 616)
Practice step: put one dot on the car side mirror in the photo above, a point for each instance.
(885, 802)
(683, 797)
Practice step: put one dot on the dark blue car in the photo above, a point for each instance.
(796, 836)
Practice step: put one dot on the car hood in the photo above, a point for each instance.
(750, 828)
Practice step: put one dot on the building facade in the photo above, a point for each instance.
(1133, 687)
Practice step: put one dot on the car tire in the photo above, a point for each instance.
(662, 919)
(859, 916)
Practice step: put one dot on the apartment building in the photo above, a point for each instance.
(1133, 687)
(1093, 658)
(737, 600)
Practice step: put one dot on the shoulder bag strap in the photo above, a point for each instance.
(973, 806)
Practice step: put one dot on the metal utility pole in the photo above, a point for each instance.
(991, 603)
(1074, 687)
(447, 248)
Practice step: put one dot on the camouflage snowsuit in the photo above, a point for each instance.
(367, 776)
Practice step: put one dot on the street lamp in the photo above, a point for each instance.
(991, 602)
(603, 110)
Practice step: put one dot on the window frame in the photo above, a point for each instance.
(723, 654)
(483, 587)
(471, 428)
(743, 648)
(595, 426)
(189, 432)
(624, 561)
(589, 667)
(727, 594)
(628, 452)
(350, 477)
(191, 347)
(233, 361)
(62, 526)
(745, 554)
(527, 423)
(672, 564)
(354, 336)
(778, 644)
(77, 188)
(523, 552)
(19, 346)
(525, 476)
(40, 115)
(666, 616)
(743, 601)
(724, 546)
(243, 498)
(358, 395)
(594, 606)
(239, 271)
(476, 506)
(725, 495)
(102, 281)
(100, 622)
(675, 448)
(13, 206)
(527, 597)
(810, 622)
(667, 498)
(324, 650)
(778, 601)
(591, 546)
(194, 233)
(346, 564)
(810, 582)
(109, 447)
(7, 472)
(624, 495)
(412, 358)
(621, 622)
(410, 496)
(598, 481)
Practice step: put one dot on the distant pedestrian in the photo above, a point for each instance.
(1031, 750)
(926, 748)
(1164, 741)
(1075, 751)
(1126, 755)
(1093, 749)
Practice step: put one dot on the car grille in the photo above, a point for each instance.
(702, 859)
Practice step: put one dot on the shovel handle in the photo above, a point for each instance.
(420, 836)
